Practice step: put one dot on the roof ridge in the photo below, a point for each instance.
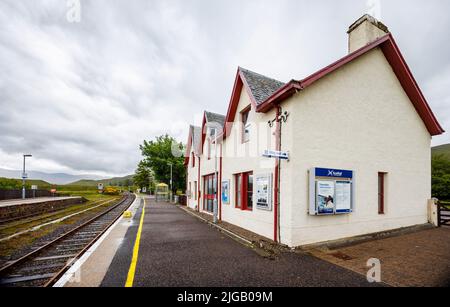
(214, 113)
(261, 75)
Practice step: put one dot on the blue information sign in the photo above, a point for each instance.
(334, 173)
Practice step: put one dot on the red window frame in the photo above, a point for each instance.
(193, 159)
(243, 194)
(381, 192)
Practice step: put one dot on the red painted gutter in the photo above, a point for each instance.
(220, 184)
(276, 187)
(198, 186)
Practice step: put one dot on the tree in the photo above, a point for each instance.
(144, 176)
(157, 156)
(440, 167)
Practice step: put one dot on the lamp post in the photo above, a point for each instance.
(24, 176)
(171, 175)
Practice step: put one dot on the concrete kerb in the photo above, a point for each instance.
(346, 242)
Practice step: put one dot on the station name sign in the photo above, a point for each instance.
(283, 155)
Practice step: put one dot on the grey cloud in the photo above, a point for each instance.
(86, 95)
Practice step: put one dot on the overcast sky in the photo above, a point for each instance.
(81, 97)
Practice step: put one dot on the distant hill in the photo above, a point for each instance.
(117, 181)
(53, 178)
(441, 150)
(39, 183)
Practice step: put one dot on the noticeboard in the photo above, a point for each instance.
(331, 191)
(225, 191)
(263, 192)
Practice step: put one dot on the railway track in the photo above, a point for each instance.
(19, 221)
(45, 265)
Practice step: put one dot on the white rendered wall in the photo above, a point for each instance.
(358, 118)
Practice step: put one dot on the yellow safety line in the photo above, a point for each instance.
(132, 270)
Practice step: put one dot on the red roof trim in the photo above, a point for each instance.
(412, 89)
(247, 87)
(203, 132)
(281, 94)
(234, 101)
(187, 155)
(398, 64)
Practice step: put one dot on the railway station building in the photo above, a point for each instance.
(341, 153)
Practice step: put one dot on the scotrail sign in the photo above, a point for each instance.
(335, 173)
(282, 155)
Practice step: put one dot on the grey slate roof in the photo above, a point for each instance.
(215, 118)
(196, 138)
(261, 86)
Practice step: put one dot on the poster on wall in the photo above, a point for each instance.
(263, 193)
(325, 197)
(343, 196)
(331, 191)
(225, 192)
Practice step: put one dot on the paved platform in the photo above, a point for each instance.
(177, 249)
(419, 259)
(30, 201)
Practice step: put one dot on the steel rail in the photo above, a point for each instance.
(23, 259)
(59, 274)
(49, 215)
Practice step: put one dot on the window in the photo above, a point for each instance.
(249, 187)
(209, 193)
(190, 190)
(245, 125)
(381, 192)
(244, 191)
(238, 181)
(209, 148)
(193, 160)
(195, 190)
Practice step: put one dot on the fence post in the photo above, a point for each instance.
(433, 212)
(438, 207)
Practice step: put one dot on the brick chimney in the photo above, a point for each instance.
(364, 31)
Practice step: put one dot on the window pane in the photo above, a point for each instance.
(195, 191)
(381, 193)
(246, 127)
(238, 191)
(250, 192)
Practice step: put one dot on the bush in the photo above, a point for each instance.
(440, 180)
(111, 191)
(10, 184)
